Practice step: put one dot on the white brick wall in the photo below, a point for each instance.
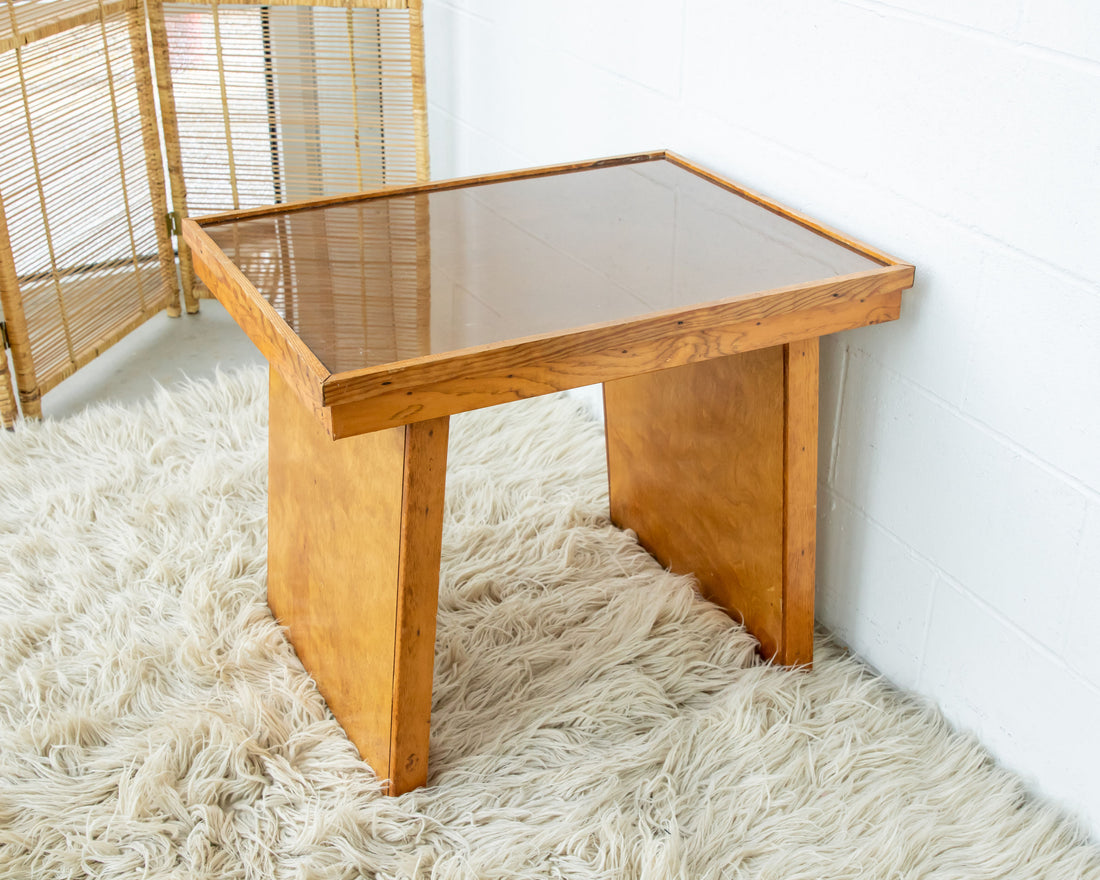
(959, 520)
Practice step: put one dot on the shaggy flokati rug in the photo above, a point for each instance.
(592, 717)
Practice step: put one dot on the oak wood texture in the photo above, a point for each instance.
(378, 396)
(354, 532)
(267, 329)
(425, 472)
(713, 465)
(711, 396)
(801, 365)
(443, 385)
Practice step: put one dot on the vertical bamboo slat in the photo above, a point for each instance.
(356, 127)
(154, 160)
(47, 235)
(88, 254)
(8, 410)
(316, 99)
(122, 159)
(15, 322)
(312, 99)
(419, 90)
(231, 166)
(170, 131)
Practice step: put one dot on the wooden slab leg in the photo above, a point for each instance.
(714, 466)
(354, 530)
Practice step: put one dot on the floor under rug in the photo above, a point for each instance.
(592, 717)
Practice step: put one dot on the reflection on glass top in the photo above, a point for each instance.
(386, 279)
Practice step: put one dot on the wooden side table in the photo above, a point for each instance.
(697, 304)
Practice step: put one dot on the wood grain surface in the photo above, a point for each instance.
(375, 397)
(564, 168)
(456, 382)
(699, 465)
(353, 573)
(284, 351)
(800, 502)
(425, 472)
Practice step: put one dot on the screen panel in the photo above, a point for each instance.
(81, 187)
(282, 102)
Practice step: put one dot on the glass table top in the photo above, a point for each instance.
(386, 279)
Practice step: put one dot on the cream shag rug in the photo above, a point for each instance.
(592, 717)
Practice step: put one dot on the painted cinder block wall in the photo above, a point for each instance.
(959, 527)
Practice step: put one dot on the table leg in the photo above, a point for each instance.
(714, 466)
(354, 529)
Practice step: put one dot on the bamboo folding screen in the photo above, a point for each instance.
(283, 102)
(81, 187)
(254, 104)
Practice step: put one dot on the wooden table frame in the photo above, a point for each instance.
(358, 462)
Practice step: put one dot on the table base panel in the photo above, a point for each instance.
(714, 465)
(354, 530)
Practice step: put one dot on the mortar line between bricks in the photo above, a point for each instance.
(521, 36)
(671, 97)
(1088, 65)
(454, 7)
(471, 127)
(838, 413)
(1047, 653)
(954, 583)
(1091, 495)
(933, 591)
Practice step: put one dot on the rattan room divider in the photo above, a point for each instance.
(120, 117)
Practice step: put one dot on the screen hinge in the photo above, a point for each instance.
(175, 224)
